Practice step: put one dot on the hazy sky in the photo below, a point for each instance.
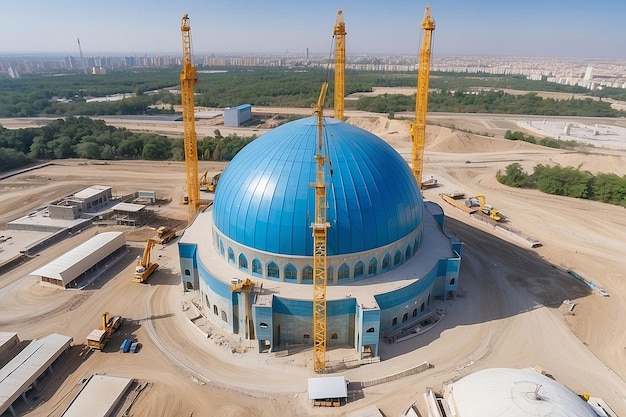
(559, 28)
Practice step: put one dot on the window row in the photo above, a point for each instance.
(344, 272)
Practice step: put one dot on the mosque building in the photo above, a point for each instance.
(250, 254)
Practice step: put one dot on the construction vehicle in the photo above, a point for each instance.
(203, 178)
(430, 183)
(144, 267)
(98, 338)
(212, 185)
(418, 128)
(456, 200)
(246, 285)
(320, 230)
(340, 64)
(188, 78)
(164, 234)
(480, 202)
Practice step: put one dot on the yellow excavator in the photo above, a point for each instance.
(487, 209)
(144, 267)
(212, 185)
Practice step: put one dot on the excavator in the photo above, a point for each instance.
(212, 185)
(144, 267)
(480, 202)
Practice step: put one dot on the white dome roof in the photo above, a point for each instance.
(505, 392)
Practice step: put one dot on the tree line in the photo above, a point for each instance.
(83, 137)
(497, 102)
(567, 181)
(67, 95)
(548, 142)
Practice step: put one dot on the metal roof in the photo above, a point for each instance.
(91, 191)
(505, 392)
(265, 199)
(98, 397)
(328, 387)
(70, 265)
(129, 207)
(28, 365)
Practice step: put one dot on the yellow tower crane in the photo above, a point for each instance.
(340, 64)
(187, 80)
(320, 227)
(418, 129)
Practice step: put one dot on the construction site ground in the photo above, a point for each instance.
(509, 311)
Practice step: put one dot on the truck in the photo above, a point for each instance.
(99, 338)
(164, 234)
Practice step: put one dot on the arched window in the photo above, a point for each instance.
(334, 336)
(224, 317)
(428, 301)
(221, 248)
(414, 312)
(394, 321)
(452, 281)
(405, 317)
(243, 262)
(307, 275)
(231, 255)
(422, 308)
(343, 272)
(187, 272)
(371, 269)
(358, 270)
(263, 325)
(397, 258)
(386, 262)
(330, 275)
(291, 273)
(215, 310)
(306, 336)
(206, 301)
(370, 330)
(273, 271)
(407, 253)
(415, 246)
(257, 271)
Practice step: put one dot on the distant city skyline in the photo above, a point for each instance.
(532, 28)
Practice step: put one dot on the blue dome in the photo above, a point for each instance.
(265, 200)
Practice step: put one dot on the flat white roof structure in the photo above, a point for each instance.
(98, 397)
(91, 191)
(23, 370)
(327, 387)
(129, 207)
(74, 263)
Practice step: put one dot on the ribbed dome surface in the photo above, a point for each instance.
(264, 199)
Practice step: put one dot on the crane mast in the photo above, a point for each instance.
(320, 227)
(188, 79)
(340, 64)
(82, 59)
(418, 129)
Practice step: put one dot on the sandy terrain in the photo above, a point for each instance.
(509, 312)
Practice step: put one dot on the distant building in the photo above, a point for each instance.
(90, 199)
(236, 116)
